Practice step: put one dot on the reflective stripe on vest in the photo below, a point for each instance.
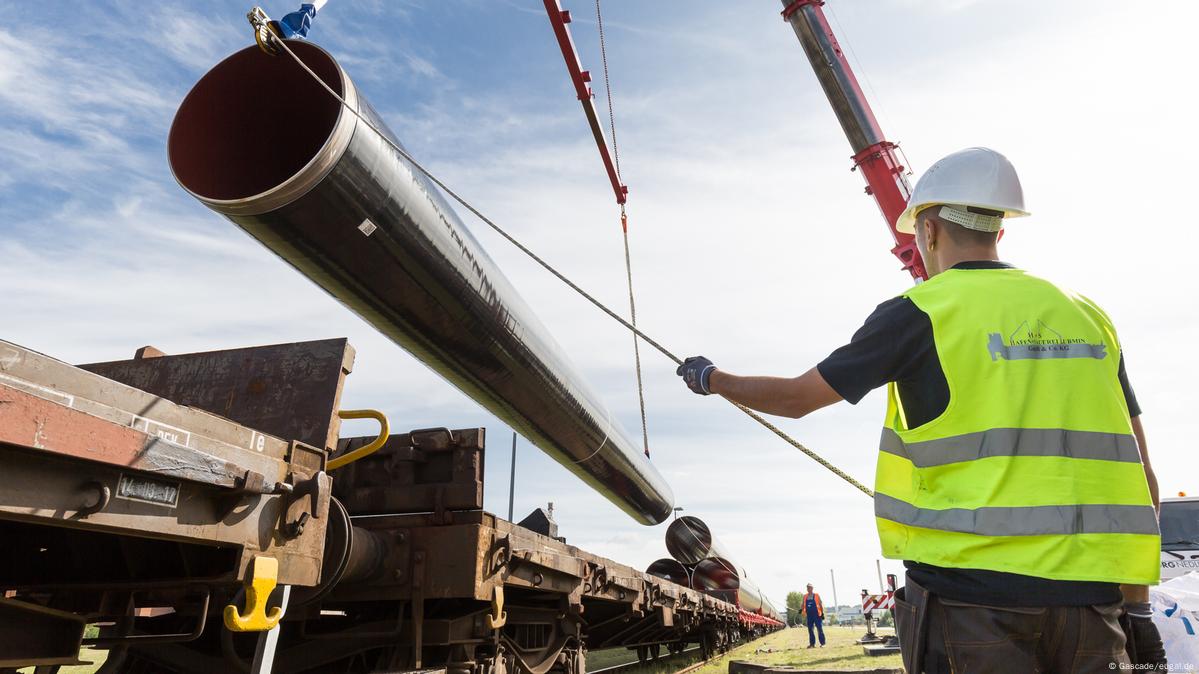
(1032, 468)
(1023, 521)
(1013, 442)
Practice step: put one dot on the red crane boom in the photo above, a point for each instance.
(581, 78)
(873, 153)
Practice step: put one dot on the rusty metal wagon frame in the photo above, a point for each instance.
(137, 496)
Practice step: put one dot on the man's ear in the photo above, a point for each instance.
(930, 233)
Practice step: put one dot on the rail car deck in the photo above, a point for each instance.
(142, 495)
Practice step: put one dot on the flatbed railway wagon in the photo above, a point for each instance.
(183, 506)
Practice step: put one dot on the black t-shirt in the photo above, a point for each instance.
(895, 344)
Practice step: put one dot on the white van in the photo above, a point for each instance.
(1180, 536)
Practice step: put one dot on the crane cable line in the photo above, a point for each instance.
(274, 40)
(624, 228)
(862, 69)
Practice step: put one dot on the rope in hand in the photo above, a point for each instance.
(624, 229)
(557, 274)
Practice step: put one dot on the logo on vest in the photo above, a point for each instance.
(1027, 342)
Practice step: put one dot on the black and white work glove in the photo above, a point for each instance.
(696, 371)
(1143, 642)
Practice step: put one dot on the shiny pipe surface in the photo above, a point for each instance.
(690, 541)
(260, 142)
(724, 579)
(770, 611)
(672, 570)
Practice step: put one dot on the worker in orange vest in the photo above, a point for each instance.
(813, 610)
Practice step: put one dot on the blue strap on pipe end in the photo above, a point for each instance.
(298, 23)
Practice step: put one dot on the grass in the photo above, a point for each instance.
(789, 647)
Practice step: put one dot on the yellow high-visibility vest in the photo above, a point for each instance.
(1032, 468)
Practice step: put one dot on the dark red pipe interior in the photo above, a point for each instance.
(253, 122)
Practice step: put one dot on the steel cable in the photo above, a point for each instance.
(628, 268)
(624, 228)
(545, 265)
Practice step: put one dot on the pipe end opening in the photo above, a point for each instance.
(253, 122)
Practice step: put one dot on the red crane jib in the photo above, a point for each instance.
(558, 19)
(873, 153)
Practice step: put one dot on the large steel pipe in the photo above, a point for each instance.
(259, 141)
(671, 570)
(723, 578)
(690, 541)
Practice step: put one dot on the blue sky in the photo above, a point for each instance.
(752, 241)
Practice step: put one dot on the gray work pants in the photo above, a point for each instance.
(940, 636)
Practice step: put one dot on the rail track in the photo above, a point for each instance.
(654, 663)
(691, 668)
(638, 665)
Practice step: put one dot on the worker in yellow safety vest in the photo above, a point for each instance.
(1013, 478)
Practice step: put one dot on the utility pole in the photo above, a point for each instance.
(833, 579)
(512, 480)
(878, 566)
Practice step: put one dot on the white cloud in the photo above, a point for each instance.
(194, 42)
(938, 5)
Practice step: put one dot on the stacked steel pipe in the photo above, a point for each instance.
(672, 570)
(699, 561)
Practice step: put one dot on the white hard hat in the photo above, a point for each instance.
(976, 177)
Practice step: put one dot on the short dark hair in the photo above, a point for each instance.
(962, 236)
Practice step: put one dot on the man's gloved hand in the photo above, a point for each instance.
(1144, 642)
(695, 372)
